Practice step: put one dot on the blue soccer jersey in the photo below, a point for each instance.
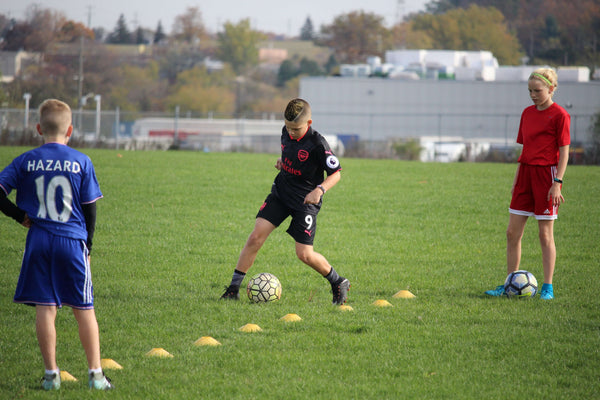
(52, 182)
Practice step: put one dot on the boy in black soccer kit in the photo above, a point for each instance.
(297, 192)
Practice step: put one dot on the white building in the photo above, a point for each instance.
(479, 112)
(452, 64)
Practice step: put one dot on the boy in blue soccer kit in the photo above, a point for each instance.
(56, 199)
(297, 192)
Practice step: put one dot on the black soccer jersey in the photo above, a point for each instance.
(304, 163)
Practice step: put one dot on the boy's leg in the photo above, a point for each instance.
(315, 260)
(548, 245)
(546, 228)
(46, 334)
(514, 234)
(89, 336)
(260, 233)
(339, 284)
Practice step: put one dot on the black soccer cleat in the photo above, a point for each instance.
(231, 293)
(340, 291)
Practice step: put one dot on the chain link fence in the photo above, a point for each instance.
(428, 137)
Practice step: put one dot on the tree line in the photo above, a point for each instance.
(178, 71)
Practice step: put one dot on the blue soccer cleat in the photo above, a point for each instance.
(499, 291)
(547, 292)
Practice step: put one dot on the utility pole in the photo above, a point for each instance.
(80, 71)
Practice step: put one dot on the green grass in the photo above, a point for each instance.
(169, 232)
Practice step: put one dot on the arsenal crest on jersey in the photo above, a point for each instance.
(302, 155)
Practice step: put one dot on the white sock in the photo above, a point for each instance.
(52, 371)
(95, 371)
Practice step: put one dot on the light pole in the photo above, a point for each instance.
(98, 100)
(26, 96)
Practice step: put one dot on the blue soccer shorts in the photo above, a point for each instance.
(55, 272)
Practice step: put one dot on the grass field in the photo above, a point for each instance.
(169, 232)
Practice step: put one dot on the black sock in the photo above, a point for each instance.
(332, 276)
(237, 278)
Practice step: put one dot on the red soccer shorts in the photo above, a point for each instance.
(530, 194)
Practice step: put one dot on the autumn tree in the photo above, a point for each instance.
(475, 28)
(188, 27)
(550, 31)
(238, 46)
(71, 31)
(35, 33)
(356, 35)
(15, 36)
(201, 91)
(405, 36)
(136, 88)
(46, 23)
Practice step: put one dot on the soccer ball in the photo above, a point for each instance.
(264, 287)
(520, 284)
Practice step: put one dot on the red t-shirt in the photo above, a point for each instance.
(541, 133)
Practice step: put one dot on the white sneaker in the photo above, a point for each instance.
(99, 381)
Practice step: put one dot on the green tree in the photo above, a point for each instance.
(309, 67)
(287, 71)
(331, 64)
(357, 35)
(121, 34)
(139, 36)
(159, 35)
(238, 46)
(307, 32)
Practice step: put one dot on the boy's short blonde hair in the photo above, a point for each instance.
(55, 117)
(297, 110)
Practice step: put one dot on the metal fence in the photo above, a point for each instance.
(362, 134)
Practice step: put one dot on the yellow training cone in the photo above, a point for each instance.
(404, 294)
(291, 318)
(159, 352)
(207, 341)
(108, 363)
(345, 307)
(67, 377)
(250, 328)
(382, 303)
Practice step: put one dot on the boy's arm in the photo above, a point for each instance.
(10, 209)
(315, 196)
(89, 214)
(554, 193)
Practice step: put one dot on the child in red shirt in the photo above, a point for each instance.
(544, 134)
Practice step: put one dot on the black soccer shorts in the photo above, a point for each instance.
(304, 222)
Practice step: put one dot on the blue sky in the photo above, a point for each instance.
(278, 16)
